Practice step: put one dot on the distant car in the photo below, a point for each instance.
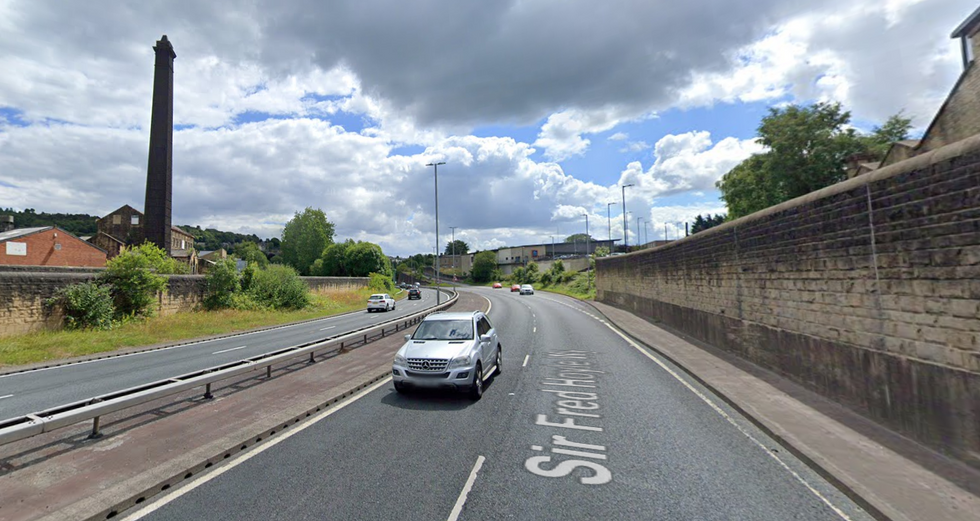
(515, 287)
(449, 350)
(414, 293)
(527, 289)
(380, 301)
(497, 285)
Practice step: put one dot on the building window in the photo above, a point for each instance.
(183, 244)
(116, 219)
(134, 220)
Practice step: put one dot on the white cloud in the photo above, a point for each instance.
(619, 136)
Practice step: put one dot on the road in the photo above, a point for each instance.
(33, 391)
(581, 424)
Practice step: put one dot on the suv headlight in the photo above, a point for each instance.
(400, 360)
(460, 361)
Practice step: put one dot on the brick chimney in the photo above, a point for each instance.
(159, 170)
(6, 223)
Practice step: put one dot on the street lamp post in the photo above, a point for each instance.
(453, 228)
(588, 276)
(626, 230)
(646, 232)
(638, 236)
(609, 223)
(435, 171)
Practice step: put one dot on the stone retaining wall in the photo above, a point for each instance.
(867, 292)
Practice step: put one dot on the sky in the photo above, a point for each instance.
(542, 110)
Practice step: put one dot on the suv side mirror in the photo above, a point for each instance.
(408, 337)
(485, 338)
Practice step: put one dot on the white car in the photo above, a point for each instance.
(527, 289)
(450, 351)
(380, 301)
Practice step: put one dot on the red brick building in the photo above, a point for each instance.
(48, 246)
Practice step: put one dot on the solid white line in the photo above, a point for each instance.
(526, 357)
(226, 350)
(458, 508)
(5, 396)
(326, 328)
(149, 509)
(731, 420)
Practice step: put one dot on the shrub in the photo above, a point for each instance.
(136, 275)
(86, 305)
(220, 284)
(247, 275)
(279, 287)
(381, 282)
(545, 279)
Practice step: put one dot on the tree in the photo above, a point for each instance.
(304, 238)
(807, 151)
(136, 275)
(881, 138)
(579, 237)
(457, 247)
(333, 261)
(601, 251)
(221, 284)
(484, 266)
(710, 221)
(364, 258)
(249, 252)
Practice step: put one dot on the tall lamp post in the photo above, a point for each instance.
(435, 171)
(609, 223)
(552, 248)
(646, 232)
(453, 228)
(588, 277)
(638, 236)
(626, 229)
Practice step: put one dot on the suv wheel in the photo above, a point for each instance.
(476, 390)
(400, 388)
(500, 359)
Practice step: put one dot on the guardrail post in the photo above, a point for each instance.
(365, 338)
(268, 371)
(95, 429)
(207, 392)
(311, 358)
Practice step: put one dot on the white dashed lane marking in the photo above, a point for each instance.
(226, 350)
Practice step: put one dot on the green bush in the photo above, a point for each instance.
(137, 275)
(279, 287)
(86, 305)
(248, 274)
(545, 279)
(220, 284)
(381, 282)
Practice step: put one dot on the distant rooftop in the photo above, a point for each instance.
(968, 26)
(20, 232)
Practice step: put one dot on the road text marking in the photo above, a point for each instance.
(461, 500)
(226, 350)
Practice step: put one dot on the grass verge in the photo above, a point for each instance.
(45, 346)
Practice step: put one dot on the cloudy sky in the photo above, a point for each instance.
(541, 109)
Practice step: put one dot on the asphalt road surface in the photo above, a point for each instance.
(33, 391)
(581, 424)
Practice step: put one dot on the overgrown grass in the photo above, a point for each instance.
(578, 288)
(54, 345)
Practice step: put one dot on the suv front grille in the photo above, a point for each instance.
(428, 364)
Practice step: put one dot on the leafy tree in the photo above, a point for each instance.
(74, 223)
(748, 188)
(304, 238)
(364, 258)
(249, 252)
(221, 284)
(709, 221)
(461, 248)
(896, 128)
(484, 267)
(557, 267)
(602, 251)
(578, 237)
(137, 274)
(334, 260)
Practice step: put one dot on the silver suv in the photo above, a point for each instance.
(449, 350)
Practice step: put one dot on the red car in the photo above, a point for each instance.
(497, 285)
(515, 287)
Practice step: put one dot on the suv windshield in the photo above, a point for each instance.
(444, 330)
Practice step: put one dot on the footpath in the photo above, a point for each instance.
(891, 476)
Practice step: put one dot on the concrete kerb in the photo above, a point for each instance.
(157, 347)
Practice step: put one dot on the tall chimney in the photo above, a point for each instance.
(159, 171)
